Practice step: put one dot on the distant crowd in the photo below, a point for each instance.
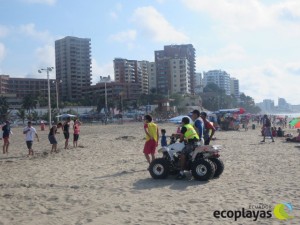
(31, 134)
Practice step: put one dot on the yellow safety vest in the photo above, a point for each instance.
(190, 133)
(152, 130)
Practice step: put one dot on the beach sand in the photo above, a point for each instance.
(105, 181)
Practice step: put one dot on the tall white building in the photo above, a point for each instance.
(218, 77)
(198, 83)
(235, 88)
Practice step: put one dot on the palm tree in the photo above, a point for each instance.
(21, 114)
(29, 103)
(3, 108)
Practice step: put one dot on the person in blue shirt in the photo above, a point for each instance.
(163, 140)
(5, 135)
(198, 124)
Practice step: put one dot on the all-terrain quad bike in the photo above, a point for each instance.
(204, 162)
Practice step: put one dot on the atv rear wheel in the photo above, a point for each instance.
(203, 169)
(159, 168)
(219, 166)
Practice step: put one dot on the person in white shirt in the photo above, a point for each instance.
(30, 133)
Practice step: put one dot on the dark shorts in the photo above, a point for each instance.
(52, 139)
(76, 137)
(67, 135)
(29, 144)
(6, 140)
(188, 148)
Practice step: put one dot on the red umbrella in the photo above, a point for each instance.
(297, 125)
(242, 111)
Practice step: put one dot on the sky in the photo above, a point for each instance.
(257, 42)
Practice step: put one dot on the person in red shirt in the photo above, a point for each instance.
(209, 129)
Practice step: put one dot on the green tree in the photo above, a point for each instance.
(21, 114)
(248, 104)
(4, 106)
(29, 103)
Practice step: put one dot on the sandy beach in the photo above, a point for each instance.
(105, 180)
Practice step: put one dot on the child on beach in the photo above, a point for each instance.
(30, 132)
(52, 138)
(152, 136)
(76, 128)
(163, 140)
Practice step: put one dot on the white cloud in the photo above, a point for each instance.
(230, 53)
(238, 15)
(30, 30)
(3, 31)
(268, 81)
(47, 2)
(115, 13)
(101, 70)
(45, 56)
(154, 25)
(124, 36)
(2, 51)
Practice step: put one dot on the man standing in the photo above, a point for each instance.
(267, 128)
(208, 128)
(198, 124)
(152, 136)
(5, 135)
(66, 130)
(30, 132)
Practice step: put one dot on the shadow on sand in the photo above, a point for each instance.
(149, 183)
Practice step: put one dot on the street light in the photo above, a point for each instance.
(105, 80)
(48, 69)
(56, 88)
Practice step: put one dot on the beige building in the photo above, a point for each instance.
(152, 77)
(180, 76)
(133, 71)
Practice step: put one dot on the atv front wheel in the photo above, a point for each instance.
(159, 168)
(219, 166)
(203, 169)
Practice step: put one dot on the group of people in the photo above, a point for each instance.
(201, 131)
(30, 134)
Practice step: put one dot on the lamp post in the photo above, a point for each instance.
(56, 88)
(48, 69)
(105, 80)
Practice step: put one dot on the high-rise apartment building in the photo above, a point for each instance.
(73, 66)
(235, 88)
(185, 70)
(132, 71)
(218, 77)
(152, 77)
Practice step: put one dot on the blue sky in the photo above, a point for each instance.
(255, 41)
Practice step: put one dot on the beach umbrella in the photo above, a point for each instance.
(66, 115)
(297, 125)
(293, 122)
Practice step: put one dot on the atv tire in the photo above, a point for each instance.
(219, 166)
(159, 168)
(203, 170)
